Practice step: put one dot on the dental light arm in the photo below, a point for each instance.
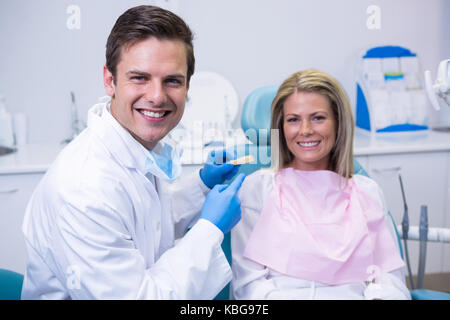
(442, 85)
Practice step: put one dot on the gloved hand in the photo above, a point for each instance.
(216, 170)
(222, 206)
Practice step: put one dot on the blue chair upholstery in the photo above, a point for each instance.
(256, 118)
(423, 294)
(256, 114)
(10, 285)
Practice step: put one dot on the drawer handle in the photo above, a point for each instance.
(9, 190)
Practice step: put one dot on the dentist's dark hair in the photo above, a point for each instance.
(142, 22)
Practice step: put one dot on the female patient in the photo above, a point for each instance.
(310, 228)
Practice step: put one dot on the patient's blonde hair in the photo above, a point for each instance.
(311, 80)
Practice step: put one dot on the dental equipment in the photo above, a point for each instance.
(423, 235)
(76, 124)
(405, 230)
(243, 160)
(442, 85)
(434, 234)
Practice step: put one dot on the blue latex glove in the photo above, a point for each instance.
(216, 170)
(222, 206)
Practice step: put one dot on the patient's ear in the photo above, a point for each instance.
(108, 82)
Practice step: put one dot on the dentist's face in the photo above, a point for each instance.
(150, 90)
(310, 130)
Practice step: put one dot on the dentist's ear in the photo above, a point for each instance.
(108, 82)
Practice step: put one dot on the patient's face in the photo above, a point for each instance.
(310, 130)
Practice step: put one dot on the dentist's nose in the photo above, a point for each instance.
(156, 93)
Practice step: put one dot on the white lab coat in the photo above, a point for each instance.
(97, 227)
(254, 281)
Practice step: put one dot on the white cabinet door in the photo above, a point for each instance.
(15, 191)
(424, 180)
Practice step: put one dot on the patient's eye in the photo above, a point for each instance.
(318, 118)
(292, 119)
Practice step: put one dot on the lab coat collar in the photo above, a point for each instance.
(116, 138)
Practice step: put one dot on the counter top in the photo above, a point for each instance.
(30, 158)
(34, 158)
(411, 142)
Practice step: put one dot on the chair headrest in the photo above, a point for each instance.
(256, 111)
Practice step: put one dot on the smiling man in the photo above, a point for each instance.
(103, 221)
(151, 88)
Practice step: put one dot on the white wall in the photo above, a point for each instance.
(251, 42)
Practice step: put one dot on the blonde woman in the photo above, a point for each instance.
(310, 228)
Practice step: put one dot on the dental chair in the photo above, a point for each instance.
(255, 122)
(10, 285)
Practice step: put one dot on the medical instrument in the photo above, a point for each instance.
(423, 235)
(441, 87)
(242, 160)
(405, 230)
(434, 234)
(76, 124)
(222, 206)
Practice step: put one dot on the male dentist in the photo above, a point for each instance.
(103, 221)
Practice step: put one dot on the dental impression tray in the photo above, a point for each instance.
(243, 160)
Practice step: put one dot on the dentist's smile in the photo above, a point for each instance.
(153, 115)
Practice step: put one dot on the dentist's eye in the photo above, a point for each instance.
(175, 82)
(138, 78)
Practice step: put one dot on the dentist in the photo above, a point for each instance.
(102, 223)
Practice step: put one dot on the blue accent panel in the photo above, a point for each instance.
(403, 127)
(388, 52)
(362, 111)
(388, 77)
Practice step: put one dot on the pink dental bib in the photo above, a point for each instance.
(314, 226)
